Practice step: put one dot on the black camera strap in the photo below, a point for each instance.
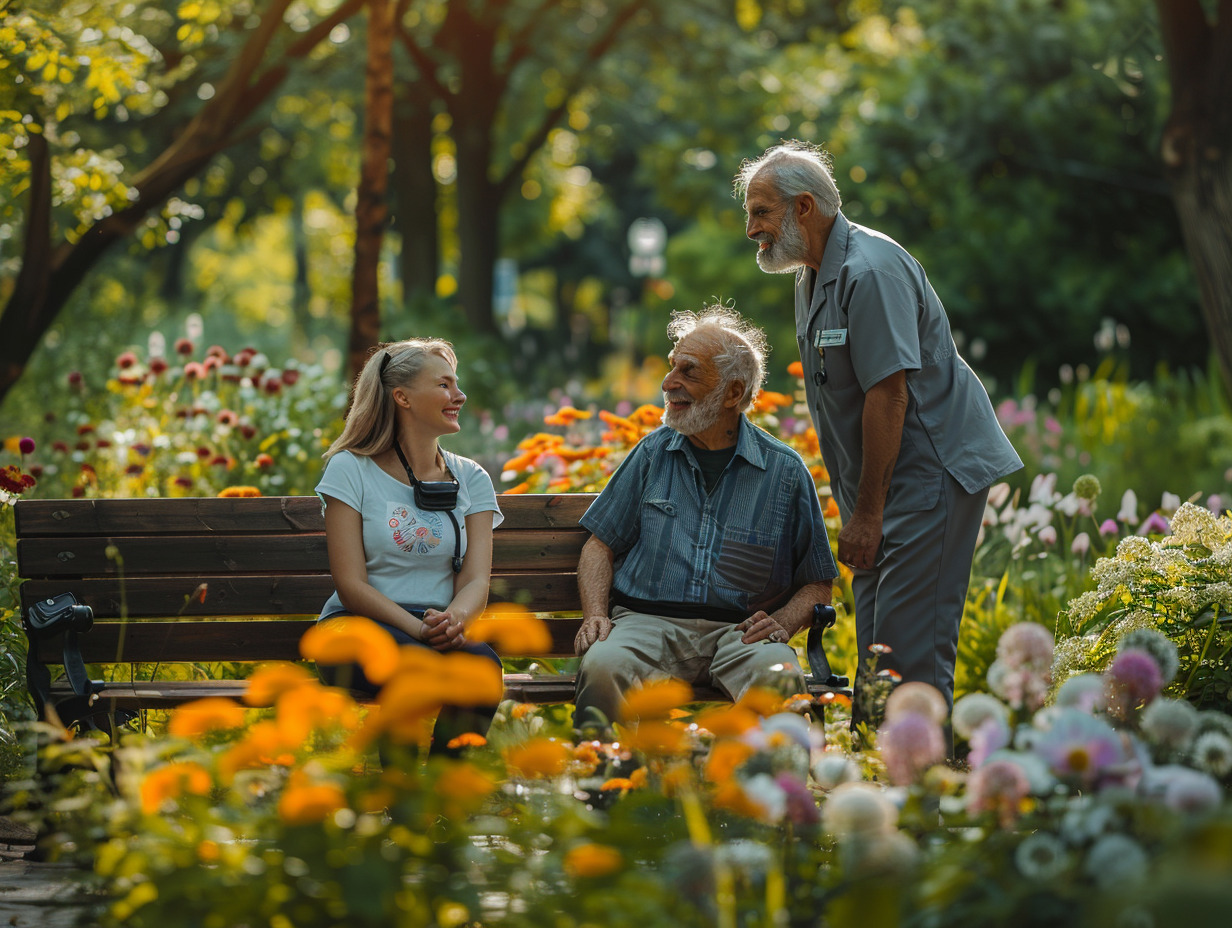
(457, 532)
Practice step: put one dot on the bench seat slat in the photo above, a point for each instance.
(264, 515)
(250, 639)
(286, 594)
(238, 554)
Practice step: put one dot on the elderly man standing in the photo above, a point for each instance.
(708, 548)
(906, 429)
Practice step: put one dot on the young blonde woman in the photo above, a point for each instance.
(408, 525)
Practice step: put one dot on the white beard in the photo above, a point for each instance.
(787, 253)
(698, 417)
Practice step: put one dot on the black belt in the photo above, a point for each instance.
(679, 610)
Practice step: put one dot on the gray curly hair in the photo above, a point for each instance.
(742, 346)
(794, 167)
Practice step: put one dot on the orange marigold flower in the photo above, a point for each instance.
(539, 757)
(731, 796)
(238, 492)
(171, 782)
(305, 802)
(768, 401)
(305, 709)
(263, 746)
(213, 713)
(523, 709)
(831, 511)
(465, 783)
(560, 484)
(273, 679)
(519, 488)
(523, 461)
(834, 699)
(762, 700)
(675, 778)
(796, 369)
(512, 630)
(207, 851)
(657, 738)
(637, 779)
(352, 639)
(655, 699)
(727, 721)
(592, 860)
(621, 783)
(647, 415)
(468, 739)
(566, 415)
(724, 758)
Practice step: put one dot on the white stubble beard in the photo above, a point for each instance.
(786, 254)
(698, 417)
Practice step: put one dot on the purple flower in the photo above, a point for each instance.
(26, 445)
(990, 735)
(1155, 524)
(1079, 747)
(910, 744)
(801, 804)
(1215, 504)
(1132, 681)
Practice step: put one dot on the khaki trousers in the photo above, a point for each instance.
(701, 652)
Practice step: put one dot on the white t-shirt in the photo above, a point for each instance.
(408, 551)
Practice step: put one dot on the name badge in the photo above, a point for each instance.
(829, 338)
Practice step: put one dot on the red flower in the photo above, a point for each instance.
(203, 452)
(126, 360)
(183, 481)
(61, 446)
(264, 460)
(290, 376)
(184, 346)
(14, 481)
(248, 430)
(134, 469)
(221, 460)
(74, 378)
(78, 491)
(245, 356)
(82, 445)
(85, 429)
(158, 365)
(194, 370)
(272, 385)
(103, 443)
(227, 417)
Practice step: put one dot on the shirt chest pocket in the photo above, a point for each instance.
(746, 562)
(659, 520)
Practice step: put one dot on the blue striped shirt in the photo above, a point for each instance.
(748, 545)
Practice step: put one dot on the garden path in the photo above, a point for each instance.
(34, 894)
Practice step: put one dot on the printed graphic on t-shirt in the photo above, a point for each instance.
(415, 532)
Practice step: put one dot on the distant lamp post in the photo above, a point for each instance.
(647, 238)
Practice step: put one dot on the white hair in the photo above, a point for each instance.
(742, 346)
(794, 168)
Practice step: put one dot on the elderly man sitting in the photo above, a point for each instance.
(708, 548)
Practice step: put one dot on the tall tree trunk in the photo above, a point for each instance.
(478, 216)
(371, 210)
(301, 292)
(1197, 154)
(415, 197)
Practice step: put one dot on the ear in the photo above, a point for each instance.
(401, 400)
(804, 206)
(733, 395)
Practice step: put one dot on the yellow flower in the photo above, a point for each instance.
(213, 713)
(539, 757)
(171, 782)
(592, 860)
(306, 708)
(655, 699)
(272, 680)
(657, 738)
(512, 630)
(352, 639)
(761, 700)
(724, 758)
(305, 802)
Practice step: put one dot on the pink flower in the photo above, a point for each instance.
(998, 787)
(1155, 524)
(1215, 504)
(990, 735)
(184, 346)
(1079, 746)
(1081, 544)
(1108, 527)
(1048, 535)
(801, 805)
(910, 744)
(1026, 644)
(1133, 680)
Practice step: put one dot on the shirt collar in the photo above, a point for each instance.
(746, 444)
(836, 249)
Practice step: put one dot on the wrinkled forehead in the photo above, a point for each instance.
(698, 347)
(762, 189)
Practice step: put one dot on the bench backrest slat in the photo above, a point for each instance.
(257, 557)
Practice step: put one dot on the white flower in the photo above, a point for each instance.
(1048, 535)
(767, 795)
(1041, 857)
(1170, 502)
(1129, 507)
(1043, 489)
(858, 809)
(834, 768)
(1083, 691)
(1170, 723)
(1212, 753)
(1081, 544)
(1116, 859)
(973, 710)
(997, 494)
(747, 857)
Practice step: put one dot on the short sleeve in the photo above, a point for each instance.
(882, 319)
(614, 516)
(814, 561)
(342, 480)
(480, 490)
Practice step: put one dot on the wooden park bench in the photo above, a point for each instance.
(203, 580)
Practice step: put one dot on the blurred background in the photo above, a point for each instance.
(544, 182)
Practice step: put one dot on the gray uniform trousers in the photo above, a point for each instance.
(912, 600)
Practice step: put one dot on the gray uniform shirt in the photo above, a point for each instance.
(870, 312)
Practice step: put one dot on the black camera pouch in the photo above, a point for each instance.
(50, 618)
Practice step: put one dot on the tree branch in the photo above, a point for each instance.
(520, 44)
(425, 65)
(536, 139)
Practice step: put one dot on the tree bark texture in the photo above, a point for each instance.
(415, 197)
(1196, 150)
(371, 210)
